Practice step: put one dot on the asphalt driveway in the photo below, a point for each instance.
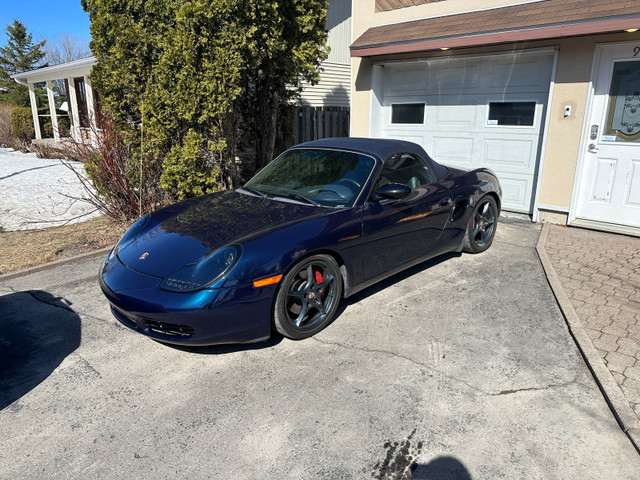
(460, 368)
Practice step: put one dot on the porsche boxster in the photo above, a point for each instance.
(321, 222)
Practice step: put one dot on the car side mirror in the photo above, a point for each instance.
(394, 191)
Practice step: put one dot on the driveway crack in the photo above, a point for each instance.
(9, 288)
(534, 389)
(433, 371)
(58, 303)
(424, 366)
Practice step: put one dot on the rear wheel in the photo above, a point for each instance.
(482, 226)
(308, 297)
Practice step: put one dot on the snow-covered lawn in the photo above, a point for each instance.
(34, 192)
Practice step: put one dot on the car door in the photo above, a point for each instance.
(395, 232)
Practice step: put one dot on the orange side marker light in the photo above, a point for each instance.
(267, 281)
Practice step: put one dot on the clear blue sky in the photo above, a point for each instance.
(45, 18)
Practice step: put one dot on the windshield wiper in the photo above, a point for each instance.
(297, 196)
(254, 191)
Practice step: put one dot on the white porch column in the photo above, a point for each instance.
(34, 111)
(75, 115)
(91, 112)
(52, 111)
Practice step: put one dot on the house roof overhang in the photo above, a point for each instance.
(533, 21)
(54, 72)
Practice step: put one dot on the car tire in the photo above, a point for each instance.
(482, 226)
(308, 297)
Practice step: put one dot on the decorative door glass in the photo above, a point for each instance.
(623, 119)
(81, 96)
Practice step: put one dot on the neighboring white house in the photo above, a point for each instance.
(74, 88)
(323, 112)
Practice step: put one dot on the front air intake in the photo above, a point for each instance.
(169, 329)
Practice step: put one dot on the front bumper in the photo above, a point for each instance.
(210, 316)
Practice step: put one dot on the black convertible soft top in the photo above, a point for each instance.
(381, 148)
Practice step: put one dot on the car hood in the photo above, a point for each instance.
(185, 232)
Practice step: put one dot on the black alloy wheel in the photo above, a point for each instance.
(482, 226)
(308, 297)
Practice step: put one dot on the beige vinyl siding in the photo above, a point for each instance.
(334, 87)
(333, 90)
(339, 26)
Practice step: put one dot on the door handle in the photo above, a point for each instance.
(593, 148)
(445, 202)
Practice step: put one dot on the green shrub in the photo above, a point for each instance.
(189, 170)
(64, 125)
(22, 125)
(46, 128)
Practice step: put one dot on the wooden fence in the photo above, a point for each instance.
(313, 123)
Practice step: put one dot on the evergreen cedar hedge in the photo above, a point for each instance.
(207, 79)
(22, 124)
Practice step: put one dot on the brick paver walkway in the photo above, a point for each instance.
(600, 272)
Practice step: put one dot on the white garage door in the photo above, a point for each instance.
(485, 111)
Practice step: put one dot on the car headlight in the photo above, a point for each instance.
(199, 275)
(129, 236)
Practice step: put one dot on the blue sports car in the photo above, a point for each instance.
(323, 221)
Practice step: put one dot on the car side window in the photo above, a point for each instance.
(407, 169)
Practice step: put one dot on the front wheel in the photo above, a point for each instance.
(482, 226)
(308, 297)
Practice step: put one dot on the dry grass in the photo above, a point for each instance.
(64, 151)
(6, 134)
(26, 248)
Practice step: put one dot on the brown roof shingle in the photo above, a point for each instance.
(531, 16)
(385, 5)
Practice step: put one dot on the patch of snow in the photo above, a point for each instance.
(34, 192)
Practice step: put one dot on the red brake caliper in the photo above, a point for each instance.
(319, 279)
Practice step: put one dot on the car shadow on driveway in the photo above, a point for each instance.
(230, 348)
(276, 338)
(37, 332)
(393, 279)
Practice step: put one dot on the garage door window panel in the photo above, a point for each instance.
(407, 113)
(512, 114)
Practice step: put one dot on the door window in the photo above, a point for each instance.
(623, 118)
(407, 169)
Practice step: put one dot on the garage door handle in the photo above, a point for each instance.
(445, 202)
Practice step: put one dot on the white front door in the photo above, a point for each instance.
(609, 180)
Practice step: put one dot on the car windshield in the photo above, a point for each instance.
(325, 177)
